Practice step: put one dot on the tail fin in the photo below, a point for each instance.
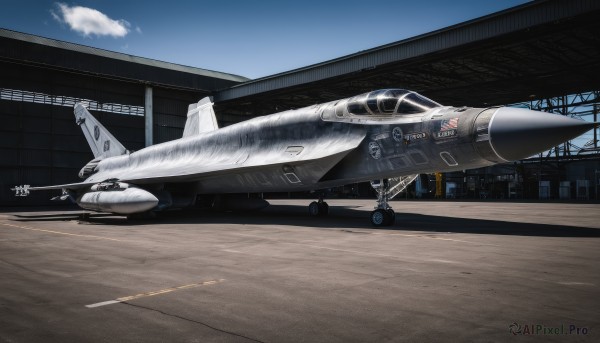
(102, 143)
(200, 118)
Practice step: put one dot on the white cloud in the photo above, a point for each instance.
(89, 21)
(55, 16)
(138, 30)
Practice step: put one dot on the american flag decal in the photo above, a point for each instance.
(449, 124)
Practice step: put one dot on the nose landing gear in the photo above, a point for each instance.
(383, 214)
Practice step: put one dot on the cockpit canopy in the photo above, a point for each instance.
(385, 102)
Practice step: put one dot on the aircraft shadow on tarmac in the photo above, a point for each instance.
(339, 218)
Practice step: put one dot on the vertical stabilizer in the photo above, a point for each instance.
(102, 143)
(200, 118)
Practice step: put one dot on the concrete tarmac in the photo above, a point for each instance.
(446, 271)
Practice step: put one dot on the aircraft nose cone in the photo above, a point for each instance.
(517, 133)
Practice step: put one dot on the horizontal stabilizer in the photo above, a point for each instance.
(102, 143)
(200, 118)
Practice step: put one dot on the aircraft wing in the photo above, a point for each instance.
(310, 161)
(313, 168)
(310, 168)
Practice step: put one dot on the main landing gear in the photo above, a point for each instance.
(383, 214)
(318, 208)
(383, 217)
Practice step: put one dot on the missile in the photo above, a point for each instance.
(118, 198)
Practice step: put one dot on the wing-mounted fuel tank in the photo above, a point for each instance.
(117, 197)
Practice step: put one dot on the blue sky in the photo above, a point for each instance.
(248, 38)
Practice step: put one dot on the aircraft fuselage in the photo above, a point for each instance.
(302, 150)
(373, 136)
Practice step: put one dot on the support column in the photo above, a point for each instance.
(149, 116)
(596, 128)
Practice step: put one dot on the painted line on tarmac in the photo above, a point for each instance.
(315, 246)
(344, 250)
(390, 234)
(153, 293)
(59, 232)
(573, 283)
(423, 236)
(341, 250)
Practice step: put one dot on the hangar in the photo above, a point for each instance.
(40, 81)
(543, 53)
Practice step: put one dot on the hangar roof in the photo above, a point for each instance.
(539, 49)
(43, 52)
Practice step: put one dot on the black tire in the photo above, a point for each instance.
(391, 217)
(314, 209)
(323, 209)
(379, 218)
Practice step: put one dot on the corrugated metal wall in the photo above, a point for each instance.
(40, 144)
(170, 113)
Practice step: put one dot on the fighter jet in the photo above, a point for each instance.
(384, 136)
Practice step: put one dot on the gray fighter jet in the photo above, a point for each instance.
(385, 136)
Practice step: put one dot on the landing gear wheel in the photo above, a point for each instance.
(379, 218)
(391, 217)
(323, 209)
(383, 217)
(383, 214)
(318, 209)
(313, 209)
